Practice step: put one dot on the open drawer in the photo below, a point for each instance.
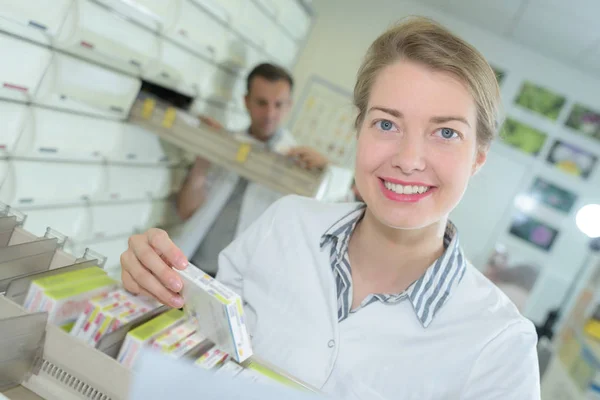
(80, 86)
(179, 69)
(96, 33)
(31, 183)
(33, 19)
(22, 67)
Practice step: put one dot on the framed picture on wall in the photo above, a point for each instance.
(545, 192)
(536, 233)
(572, 159)
(540, 100)
(523, 137)
(584, 121)
(513, 272)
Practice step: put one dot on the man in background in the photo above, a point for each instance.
(222, 203)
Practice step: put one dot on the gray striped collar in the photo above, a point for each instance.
(430, 292)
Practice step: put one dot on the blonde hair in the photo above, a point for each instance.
(424, 41)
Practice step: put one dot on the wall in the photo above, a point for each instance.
(334, 50)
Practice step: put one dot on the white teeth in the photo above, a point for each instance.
(409, 189)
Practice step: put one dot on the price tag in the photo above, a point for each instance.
(169, 118)
(148, 108)
(242, 153)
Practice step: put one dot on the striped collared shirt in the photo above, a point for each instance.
(427, 295)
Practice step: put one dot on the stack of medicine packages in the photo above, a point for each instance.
(220, 316)
(172, 333)
(107, 312)
(64, 296)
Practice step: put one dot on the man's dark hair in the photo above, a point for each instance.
(270, 72)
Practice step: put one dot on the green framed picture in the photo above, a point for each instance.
(553, 196)
(533, 231)
(540, 100)
(584, 121)
(523, 137)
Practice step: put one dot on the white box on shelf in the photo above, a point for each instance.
(22, 68)
(100, 35)
(32, 183)
(138, 145)
(199, 32)
(74, 222)
(224, 10)
(137, 182)
(252, 23)
(80, 86)
(14, 117)
(156, 15)
(294, 19)
(57, 135)
(111, 220)
(33, 19)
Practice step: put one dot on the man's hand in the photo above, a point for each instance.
(308, 157)
(213, 123)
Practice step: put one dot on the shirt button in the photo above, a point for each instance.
(331, 344)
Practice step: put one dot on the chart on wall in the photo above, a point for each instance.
(324, 120)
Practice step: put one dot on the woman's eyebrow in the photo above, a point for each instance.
(442, 119)
(393, 112)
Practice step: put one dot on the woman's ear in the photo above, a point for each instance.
(480, 159)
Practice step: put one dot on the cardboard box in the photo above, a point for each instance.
(212, 359)
(41, 285)
(218, 311)
(64, 305)
(144, 334)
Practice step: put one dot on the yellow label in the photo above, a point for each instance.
(242, 153)
(169, 118)
(148, 108)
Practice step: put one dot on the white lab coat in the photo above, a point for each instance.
(222, 182)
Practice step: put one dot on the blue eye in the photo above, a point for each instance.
(385, 125)
(447, 133)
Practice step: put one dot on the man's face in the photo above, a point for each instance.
(268, 102)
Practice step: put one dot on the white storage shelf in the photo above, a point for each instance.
(101, 35)
(75, 222)
(156, 15)
(199, 32)
(22, 67)
(31, 183)
(136, 183)
(119, 219)
(14, 117)
(50, 134)
(33, 19)
(79, 86)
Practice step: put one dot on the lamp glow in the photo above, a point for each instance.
(588, 220)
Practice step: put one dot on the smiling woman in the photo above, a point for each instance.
(376, 300)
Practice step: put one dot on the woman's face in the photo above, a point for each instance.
(417, 146)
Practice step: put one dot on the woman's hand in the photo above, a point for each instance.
(147, 267)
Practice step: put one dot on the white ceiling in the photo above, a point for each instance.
(566, 30)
